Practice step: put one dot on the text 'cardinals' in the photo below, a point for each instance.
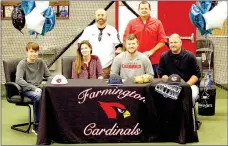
(91, 129)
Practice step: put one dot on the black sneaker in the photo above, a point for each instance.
(198, 124)
(35, 131)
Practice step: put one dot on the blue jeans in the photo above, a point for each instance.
(155, 68)
(35, 97)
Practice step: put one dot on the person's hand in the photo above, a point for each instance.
(38, 90)
(165, 77)
(100, 77)
(149, 53)
(118, 51)
(190, 84)
(43, 82)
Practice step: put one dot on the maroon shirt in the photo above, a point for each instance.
(92, 71)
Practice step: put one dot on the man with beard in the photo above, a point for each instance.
(104, 40)
(131, 63)
(150, 34)
(182, 62)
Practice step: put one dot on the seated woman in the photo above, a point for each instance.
(86, 66)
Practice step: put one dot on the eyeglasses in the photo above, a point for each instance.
(100, 36)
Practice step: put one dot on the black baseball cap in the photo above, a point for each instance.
(174, 78)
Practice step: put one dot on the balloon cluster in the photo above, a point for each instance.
(37, 15)
(208, 15)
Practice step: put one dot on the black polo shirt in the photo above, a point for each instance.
(183, 64)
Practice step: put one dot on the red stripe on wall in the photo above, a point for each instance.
(117, 15)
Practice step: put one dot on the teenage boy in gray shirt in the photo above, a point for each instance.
(29, 75)
(131, 63)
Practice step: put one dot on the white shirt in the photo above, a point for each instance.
(104, 49)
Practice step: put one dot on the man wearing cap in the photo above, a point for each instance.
(104, 39)
(131, 63)
(181, 62)
(29, 75)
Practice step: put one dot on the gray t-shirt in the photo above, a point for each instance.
(128, 67)
(30, 75)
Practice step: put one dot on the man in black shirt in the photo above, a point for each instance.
(182, 62)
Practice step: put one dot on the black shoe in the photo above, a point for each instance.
(198, 124)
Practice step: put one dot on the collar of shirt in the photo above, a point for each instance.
(181, 54)
(149, 20)
(177, 58)
(101, 29)
(84, 65)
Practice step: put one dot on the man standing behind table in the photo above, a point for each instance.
(104, 40)
(150, 34)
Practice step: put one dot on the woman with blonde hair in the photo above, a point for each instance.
(86, 66)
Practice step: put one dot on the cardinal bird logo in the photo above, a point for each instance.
(111, 109)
